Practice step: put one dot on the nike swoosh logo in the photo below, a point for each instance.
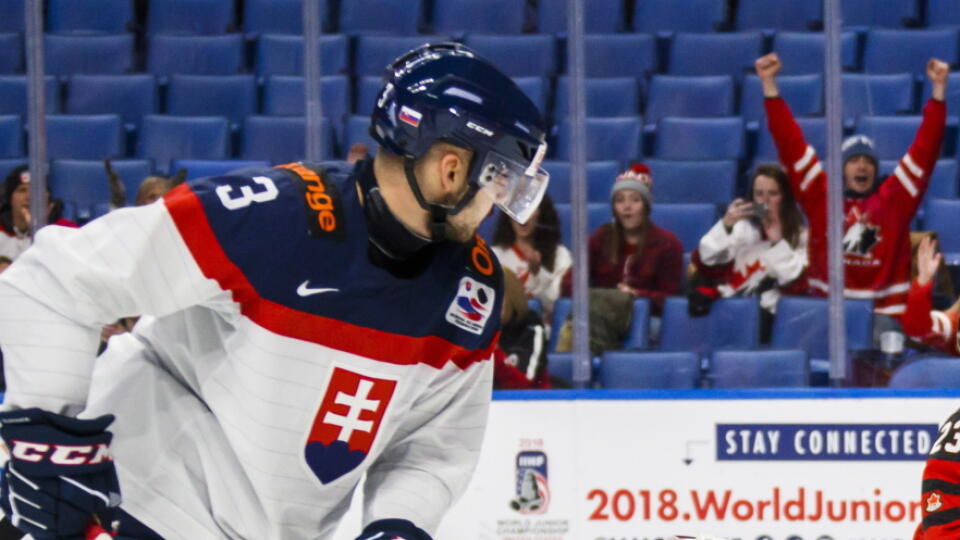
(305, 290)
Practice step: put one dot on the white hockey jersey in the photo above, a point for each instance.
(277, 363)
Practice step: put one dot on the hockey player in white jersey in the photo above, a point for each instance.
(302, 326)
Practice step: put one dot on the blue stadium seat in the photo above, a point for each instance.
(614, 96)
(865, 94)
(700, 138)
(164, 138)
(619, 55)
(907, 51)
(760, 369)
(638, 335)
(357, 130)
(281, 139)
(733, 323)
(195, 55)
(689, 221)
(606, 138)
(11, 137)
(379, 16)
(603, 17)
(190, 16)
(66, 54)
(12, 16)
(801, 323)
(692, 181)
(706, 96)
(276, 16)
(283, 95)
(13, 95)
(597, 215)
(530, 55)
(672, 16)
(374, 53)
(100, 16)
(814, 131)
(11, 52)
(891, 135)
(943, 216)
(367, 90)
(649, 370)
(872, 14)
(802, 52)
(131, 96)
(771, 15)
(714, 54)
(536, 88)
(942, 13)
(928, 372)
(89, 136)
(560, 365)
(8, 164)
(561, 309)
(81, 191)
(600, 176)
(202, 168)
(952, 97)
(804, 93)
(489, 16)
(85, 184)
(232, 96)
(943, 179)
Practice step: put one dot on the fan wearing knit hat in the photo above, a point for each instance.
(631, 253)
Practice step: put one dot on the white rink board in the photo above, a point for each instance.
(616, 468)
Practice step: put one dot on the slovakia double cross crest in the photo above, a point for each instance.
(347, 422)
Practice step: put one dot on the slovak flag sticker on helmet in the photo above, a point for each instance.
(410, 116)
(472, 306)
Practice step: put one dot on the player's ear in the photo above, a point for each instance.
(453, 165)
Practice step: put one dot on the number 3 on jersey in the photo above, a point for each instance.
(247, 194)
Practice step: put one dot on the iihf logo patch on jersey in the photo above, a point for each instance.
(533, 493)
(346, 423)
(472, 306)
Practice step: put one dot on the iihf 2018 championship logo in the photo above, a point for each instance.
(532, 491)
(472, 306)
(346, 423)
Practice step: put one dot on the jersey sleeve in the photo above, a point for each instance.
(905, 188)
(927, 325)
(940, 500)
(428, 467)
(57, 296)
(798, 157)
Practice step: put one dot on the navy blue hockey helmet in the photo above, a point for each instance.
(446, 93)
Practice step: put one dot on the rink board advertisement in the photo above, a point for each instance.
(748, 466)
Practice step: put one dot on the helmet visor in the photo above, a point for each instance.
(515, 188)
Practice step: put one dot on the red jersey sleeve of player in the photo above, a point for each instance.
(922, 323)
(910, 179)
(940, 502)
(797, 156)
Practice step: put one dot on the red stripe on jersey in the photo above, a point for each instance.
(188, 215)
(943, 470)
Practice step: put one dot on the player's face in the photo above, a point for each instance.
(859, 174)
(526, 230)
(629, 209)
(766, 191)
(463, 225)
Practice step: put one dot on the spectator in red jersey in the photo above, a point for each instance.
(759, 247)
(876, 239)
(631, 253)
(534, 253)
(15, 234)
(939, 329)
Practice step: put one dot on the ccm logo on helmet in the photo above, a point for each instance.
(480, 129)
(61, 454)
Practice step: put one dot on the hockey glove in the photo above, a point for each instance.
(60, 476)
(393, 529)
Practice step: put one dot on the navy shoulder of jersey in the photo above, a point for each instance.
(291, 244)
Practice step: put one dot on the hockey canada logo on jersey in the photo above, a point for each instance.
(861, 235)
(933, 502)
(347, 423)
(472, 306)
(532, 491)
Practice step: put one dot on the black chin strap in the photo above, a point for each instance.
(438, 214)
